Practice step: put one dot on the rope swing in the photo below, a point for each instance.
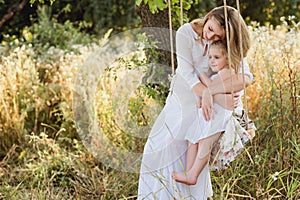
(171, 33)
(181, 13)
(243, 68)
(171, 38)
(242, 60)
(228, 46)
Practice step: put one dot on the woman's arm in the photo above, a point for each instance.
(222, 84)
(217, 92)
(218, 78)
(199, 88)
(184, 44)
(229, 85)
(205, 79)
(226, 100)
(212, 93)
(237, 84)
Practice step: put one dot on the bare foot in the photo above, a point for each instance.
(184, 177)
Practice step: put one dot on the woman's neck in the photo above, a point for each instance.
(196, 29)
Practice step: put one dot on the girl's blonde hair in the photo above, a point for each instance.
(234, 20)
(221, 44)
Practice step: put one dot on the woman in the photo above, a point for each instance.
(166, 148)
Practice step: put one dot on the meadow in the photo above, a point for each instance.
(46, 109)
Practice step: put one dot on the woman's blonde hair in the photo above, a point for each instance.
(234, 20)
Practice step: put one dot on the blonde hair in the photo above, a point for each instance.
(234, 20)
(221, 45)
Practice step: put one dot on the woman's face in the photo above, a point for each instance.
(217, 59)
(212, 30)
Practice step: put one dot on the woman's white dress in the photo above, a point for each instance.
(166, 146)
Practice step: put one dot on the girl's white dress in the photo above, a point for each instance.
(233, 137)
(166, 146)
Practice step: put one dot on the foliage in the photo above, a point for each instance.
(264, 12)
(90, 16)
(41, 1)
(269, 11)
(154, 5)
(49, 32)
(97, 17)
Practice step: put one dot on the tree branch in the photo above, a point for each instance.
(12, 11)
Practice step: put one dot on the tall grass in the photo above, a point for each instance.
(42, 156)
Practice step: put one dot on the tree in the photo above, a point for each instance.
(156, 18)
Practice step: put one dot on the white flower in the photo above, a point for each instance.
(275, 176)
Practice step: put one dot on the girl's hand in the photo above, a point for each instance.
(226, 101)
(207, 105)
(199, 103)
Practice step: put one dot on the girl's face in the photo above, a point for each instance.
(217, 59)
(212, 30)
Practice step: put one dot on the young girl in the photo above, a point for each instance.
(225, 149)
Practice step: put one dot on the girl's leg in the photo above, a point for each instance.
(204, 150)
(191, 155)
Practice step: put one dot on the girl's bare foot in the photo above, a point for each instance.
(184, 177)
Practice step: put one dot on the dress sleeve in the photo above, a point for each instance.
(246, 69)
(184, 46)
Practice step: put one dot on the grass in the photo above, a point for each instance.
(43, 156)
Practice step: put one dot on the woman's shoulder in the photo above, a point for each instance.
(187, 31)
(185, 28)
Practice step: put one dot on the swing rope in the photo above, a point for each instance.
(171, 32)
(181, 13)
(243, 67)
(228, 48)
(171, 38)
(242, 60)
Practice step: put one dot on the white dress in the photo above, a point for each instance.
(166, 146)
(233, 137)
(218, 122)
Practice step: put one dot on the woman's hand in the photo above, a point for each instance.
(207, 104)
(226, 100)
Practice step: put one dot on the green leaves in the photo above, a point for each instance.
(40, 1)
(154, 5)
(138, 2)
